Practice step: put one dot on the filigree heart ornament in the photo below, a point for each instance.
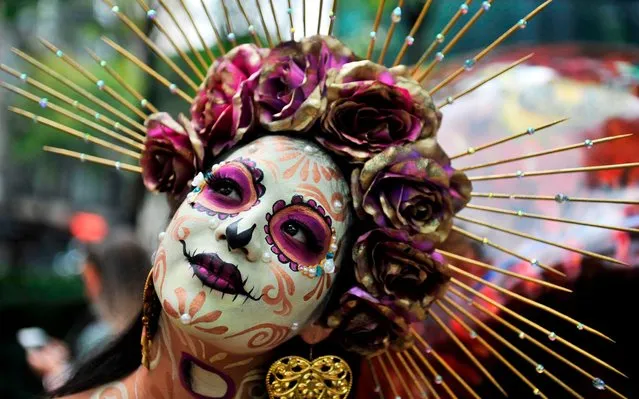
(293, 377)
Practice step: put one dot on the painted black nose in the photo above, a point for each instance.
(237, 239)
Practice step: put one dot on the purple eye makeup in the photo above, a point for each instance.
(230, 188)
(299, 233)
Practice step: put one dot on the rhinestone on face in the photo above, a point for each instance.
(214, 223)
(338, 205)
(161, 236)
(329, 266)
(185, 318)
(599, 384)
(266, 257)
(295, 326)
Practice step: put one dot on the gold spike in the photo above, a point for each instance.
(147, 69)
(441, 361)
(545, 152)
(502, 271)
(490, 47)
(277, 25)
(197, 31)
(531, 237)
(319, 16)
(535, 342)
(486, 241)
(521, 174)
(454, 98)
(94, 159)
(399, 375)
(112, 72)
(74, 104)
(73, 116)
(256, 37)
(195, 52)
(557, 198)
(485, 344)
(177, 48)
(375, 377)
(552, 219)
(92, 78)
(229, 25)
(127, 21)
(435, 41)
(73, 132)
(332, 18)
(79, 90)
(387, 375)
(268, 36)
(452, 42)
(509, 345)
(290, 18)
(414, 365)
(389, 36)
(466, 351)
(304, 16)
(525, 300)
(473, 150)
(219, 41)
(423, 359)
(412, 32)
(412, 375)
(537, 326)
(378, 20)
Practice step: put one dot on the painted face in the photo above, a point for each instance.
(237, 265)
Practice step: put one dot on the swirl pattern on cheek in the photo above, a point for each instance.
(299, 233)
(231, 188)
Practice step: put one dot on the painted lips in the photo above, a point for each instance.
(217, 274)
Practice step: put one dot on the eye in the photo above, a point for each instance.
(227, 188)
(296, 231)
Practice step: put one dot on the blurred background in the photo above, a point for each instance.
(586, 66)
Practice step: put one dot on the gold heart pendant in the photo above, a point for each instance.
(294, 377)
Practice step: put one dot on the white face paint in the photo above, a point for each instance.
(234, 265)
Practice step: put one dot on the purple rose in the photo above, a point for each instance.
(170, 159)
(392, 266)
(411, 188)
(223, 110)
(290, 91)
(371, 108)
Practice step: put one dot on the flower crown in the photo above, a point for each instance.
(380, 121)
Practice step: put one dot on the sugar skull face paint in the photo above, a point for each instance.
(233, 250)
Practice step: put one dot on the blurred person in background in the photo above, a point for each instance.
(113, 273)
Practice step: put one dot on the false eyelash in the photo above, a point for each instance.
(212, 179)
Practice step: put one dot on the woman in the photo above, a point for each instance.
(310, 196)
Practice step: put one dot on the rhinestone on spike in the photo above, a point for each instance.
(520, 213)
(103, 63)
(251, 29)
(484, 241)
(331, 16)
(75, 104)
(440, 38)
(86, 137)
(409, 40)
(599, 384)
(449, 100)
(83, 157)
(439, 56)
(464, 9)
(173, 88)
(530, 130)
(522, 335)
(469, 64)
(23, 77)
(44, 102)
(144, 102)
(289, 10)
(438, 379)
(396, 17)
(588, 143)
(519, 173)
(118, 165)
(372, 34)
(552, 336)
(471, 150)
(485, 5)
(115, 9)
(580, 326)
(117, 125)
(59, 53)
(561, 198)
(522, 24)
(97, 116)
(473, 334)
(540, 368)
(100, 84)
(151, 14)
(534, 262)
(231, 36)
(536, 391)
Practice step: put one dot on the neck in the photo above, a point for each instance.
(185, 366)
